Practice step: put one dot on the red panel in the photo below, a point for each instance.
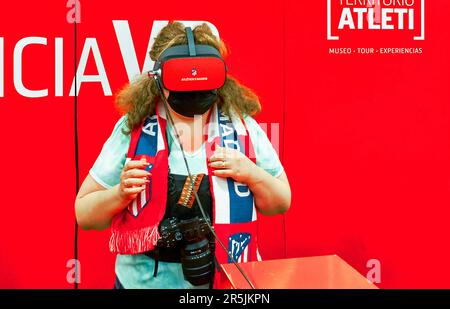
(369, 161)
(37, 185)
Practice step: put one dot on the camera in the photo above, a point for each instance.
(196, 244)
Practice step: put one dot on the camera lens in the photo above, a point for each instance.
(196, 259)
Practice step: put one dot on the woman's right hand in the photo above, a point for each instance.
(133, 179)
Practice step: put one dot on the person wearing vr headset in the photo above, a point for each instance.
(185, 170)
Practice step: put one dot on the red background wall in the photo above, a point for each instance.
(365, 139)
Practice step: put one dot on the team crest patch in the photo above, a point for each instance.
(238, 247)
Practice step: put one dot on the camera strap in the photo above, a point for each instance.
(156, 258)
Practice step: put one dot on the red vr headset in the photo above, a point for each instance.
(191, 67)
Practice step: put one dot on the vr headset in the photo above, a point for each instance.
(190, 67)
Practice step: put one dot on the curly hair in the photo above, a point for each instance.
(138, 98)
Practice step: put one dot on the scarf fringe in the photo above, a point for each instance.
(134, 242)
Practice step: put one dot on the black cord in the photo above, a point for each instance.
(205, 216)
(77, 175)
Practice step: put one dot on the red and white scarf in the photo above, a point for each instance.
(135, 230)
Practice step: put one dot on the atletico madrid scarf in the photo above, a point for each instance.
(135, 229)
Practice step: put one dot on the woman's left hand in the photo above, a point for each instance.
(227, 162)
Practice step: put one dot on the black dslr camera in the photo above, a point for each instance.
(196, 244)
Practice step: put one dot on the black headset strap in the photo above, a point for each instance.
(191, 42)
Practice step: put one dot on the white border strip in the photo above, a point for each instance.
(422, 23)
(330, 37)
(2, 69)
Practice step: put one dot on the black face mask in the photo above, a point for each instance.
(190, 103)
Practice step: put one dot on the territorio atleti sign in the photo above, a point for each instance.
(405, 18)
